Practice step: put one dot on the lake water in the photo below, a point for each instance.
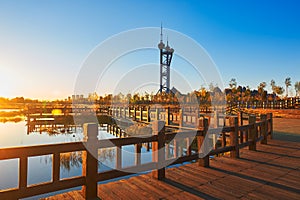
(40, 167)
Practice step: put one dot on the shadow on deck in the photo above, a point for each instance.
(271, 172)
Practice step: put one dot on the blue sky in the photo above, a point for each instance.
(44, 43)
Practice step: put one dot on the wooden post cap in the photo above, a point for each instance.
(90, 131)
(157, 126)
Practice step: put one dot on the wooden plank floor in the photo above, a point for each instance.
(271, 172)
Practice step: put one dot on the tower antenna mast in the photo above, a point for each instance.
(161, 34)
(166, 54)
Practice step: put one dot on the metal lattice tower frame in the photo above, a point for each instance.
(166, 54)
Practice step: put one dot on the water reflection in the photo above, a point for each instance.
(106, 158)
(11, 116)
(70, 160)
(40, 167)
(107, 154)
(51, 130)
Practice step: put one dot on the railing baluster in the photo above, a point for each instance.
(175, 148)
(252, 133)
(23, 169)
(167, 145)
(223, 139)
(118, 157)
(180, 149)
(241, 133)
(188, 146)
(271, 125)
(264, 128)
(167, 116)
(56, 167)
(90, 161)
(234, 137)
(158, 149)
(138, 153)
(202, 146)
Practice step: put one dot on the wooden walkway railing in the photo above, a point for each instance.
(231, 139)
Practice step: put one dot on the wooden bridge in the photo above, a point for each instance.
(68, 116)
(231, 138)
(270, 172)
(41, 118)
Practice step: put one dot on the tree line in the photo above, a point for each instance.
(203, 96)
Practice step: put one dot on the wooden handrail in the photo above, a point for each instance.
(38, 150)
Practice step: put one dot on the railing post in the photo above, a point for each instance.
(181, 117)
(141, 114)
(56, 167)
(202, 124)
(175, 148)
(120, 112)
(264, 128)
(138, 154)
(216, 122)
(113, 112)
(156, 114)
(234, 137)
(130, 111)
(240, 118)
(167, 116)
(148, 115)
(124, 112)
(270, 125)
(197, 113)
(134, 114)
(118, 157)
(188, 146)
(90, 161)
(158, 149)
(252, 133)
(23, 168)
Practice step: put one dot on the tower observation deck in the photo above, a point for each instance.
(166, 54)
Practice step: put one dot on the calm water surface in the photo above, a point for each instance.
(40, 167)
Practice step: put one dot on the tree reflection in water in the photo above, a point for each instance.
(11, 116)
(70, 159)
(74, 159)
(107, 154)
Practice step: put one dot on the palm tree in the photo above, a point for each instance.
(136, 98)
(297, 88)
(232, 83)
(279, 90)
(273, 85)
(262, 85)
(288, 83)
(261, 90)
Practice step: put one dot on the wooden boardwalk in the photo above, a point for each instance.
(271, 172)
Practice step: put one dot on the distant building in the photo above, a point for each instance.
(175, 91)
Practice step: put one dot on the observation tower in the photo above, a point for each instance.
(166, 54)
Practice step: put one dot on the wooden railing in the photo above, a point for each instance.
(183, 117)
(287, 103)
(23, 153)
(167, 149)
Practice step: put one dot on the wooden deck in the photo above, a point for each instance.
(271, 172)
